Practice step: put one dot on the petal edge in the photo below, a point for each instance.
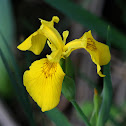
(44, 82)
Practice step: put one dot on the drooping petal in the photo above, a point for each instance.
(35, 43)
(99, 71)
(95, 59)
(99, 52)
(44, 82)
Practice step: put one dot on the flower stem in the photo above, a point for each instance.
(85, 119)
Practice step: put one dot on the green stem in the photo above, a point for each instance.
(76, 106)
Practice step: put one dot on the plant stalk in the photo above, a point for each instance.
(85, 119)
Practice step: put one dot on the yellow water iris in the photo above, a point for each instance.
(44, 78)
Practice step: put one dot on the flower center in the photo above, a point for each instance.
(91, 44)
(49, 69)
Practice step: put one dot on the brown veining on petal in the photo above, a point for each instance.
(91, 44)
(49, 69)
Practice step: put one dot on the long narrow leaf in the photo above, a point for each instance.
(107, 94)
(89, 20)
(12, 78)
(11, 57)
(17, 83)
(8, 30)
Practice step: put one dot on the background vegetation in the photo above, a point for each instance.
(106, 19)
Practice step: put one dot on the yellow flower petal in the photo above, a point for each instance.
(99, 52)
(71, 46)
(55, 56)
(99, 71)
(51, 45)
(35, 43)
(65, 35)
(51, 33)
(44, 82)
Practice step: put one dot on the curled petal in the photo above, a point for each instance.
(44, 82)
(35, 43)
(99, 71)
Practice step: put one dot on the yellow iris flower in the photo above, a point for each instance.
(44, 78)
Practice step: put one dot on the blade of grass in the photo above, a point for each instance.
(18, 85)
(107, 93)
(89, 21)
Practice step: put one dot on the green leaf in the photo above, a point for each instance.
(16, 81)
(68, 88)
(87, 108)
(69, 68)
(90, 21)
(62, 64)
(97, 103)
(57, 117)
(8, 30)
(107, 93)
(5, 86)
(7, 21)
